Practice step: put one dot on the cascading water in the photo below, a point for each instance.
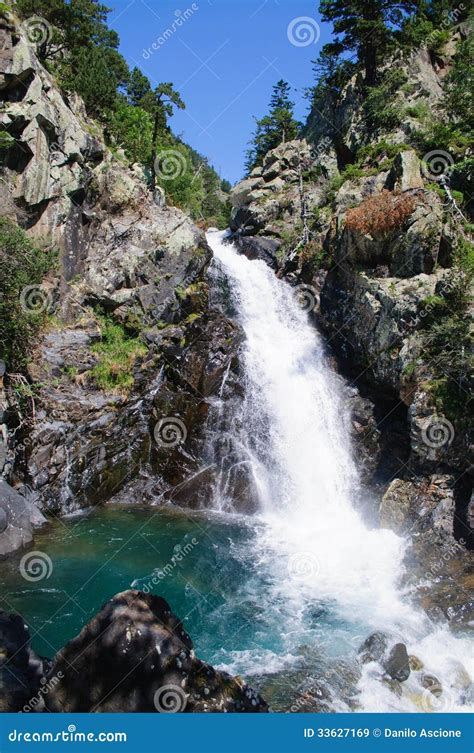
(328, 577)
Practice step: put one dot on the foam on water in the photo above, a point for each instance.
(313, 544)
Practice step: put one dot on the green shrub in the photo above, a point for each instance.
(420, 111)
(438, 39)
(131, 129)
(117, 353)
(381, 105)
(448, 340)
(24, 306)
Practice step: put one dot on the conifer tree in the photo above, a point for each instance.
(275, 128)
(366, 27)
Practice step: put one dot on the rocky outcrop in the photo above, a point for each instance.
(18, 518)
(134, 656)
(22, 672)
(263, 249)
(268, 202)
(347, 119)
(123, 255)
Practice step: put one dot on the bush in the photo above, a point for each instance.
(117, 354)
(448, 348)
(447, 343)
(381, 213)
(381, 106)
(131, 129)
(24, 307)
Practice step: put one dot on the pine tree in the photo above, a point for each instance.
(138, 87)
(275, 128)
(366, 27)
(160, 103)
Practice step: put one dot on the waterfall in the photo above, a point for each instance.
(292, 435)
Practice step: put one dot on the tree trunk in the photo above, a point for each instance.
(154, 142)
(370, 64)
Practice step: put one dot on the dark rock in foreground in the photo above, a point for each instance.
(21, 671)
(393, 659)
(135, 656)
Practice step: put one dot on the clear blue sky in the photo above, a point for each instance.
(224, 59)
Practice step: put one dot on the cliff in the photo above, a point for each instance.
(124, 301)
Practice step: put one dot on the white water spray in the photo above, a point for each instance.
(295, 437)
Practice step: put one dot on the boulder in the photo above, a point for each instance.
(17, 519)
(262, 248)
(134, 655)
(393, 658)
(405, 173)
(21, 670)
(397, 664)
(374, 647)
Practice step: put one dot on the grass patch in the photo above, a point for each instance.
(24, 304)
(117, 352)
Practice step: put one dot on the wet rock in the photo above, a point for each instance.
(259, 248)
(196, 371)
(135, 656)
(394, 686)
(424, 508)
(17, 519)
(393, 659)
(373, 648)
(365, 433)
(432, 683)
(416, 665)
(396, 505)
(21, 670)
(397, 664)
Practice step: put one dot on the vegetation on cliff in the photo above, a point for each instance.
(23, 304)
(82, 52)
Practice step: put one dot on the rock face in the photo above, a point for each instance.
(123, 255)
(135, 656)
(21, 671)
(18, 517)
